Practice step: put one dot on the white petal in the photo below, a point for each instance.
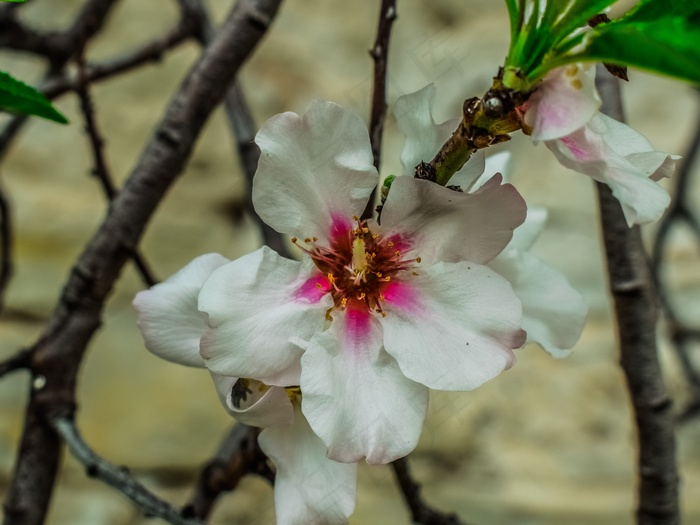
(446, 225)
(167, 313)
(314, 169)
(355, 397)
(424, 137)
(453, 327)
(310, 489)
(554, 313)
(597, 150)
(471, 173)
(258, 308)
(562, 103)
(258, 406)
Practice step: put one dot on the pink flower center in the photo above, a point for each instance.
(359, 265)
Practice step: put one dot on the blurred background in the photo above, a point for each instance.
(548, 442)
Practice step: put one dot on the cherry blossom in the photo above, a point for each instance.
(309, 487)
(563, 112)
(373, 315)
(554, 313)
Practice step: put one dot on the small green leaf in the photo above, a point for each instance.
(17, 97)
(667, 45)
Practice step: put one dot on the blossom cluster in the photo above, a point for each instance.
(333, 355)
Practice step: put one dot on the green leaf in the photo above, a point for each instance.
(666, 45)
(17, 97)
(577, 15)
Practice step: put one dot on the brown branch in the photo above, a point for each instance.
(58, 353)
(19, 361)
(118, 477)
(635, 307)
(238, 455)
(680, 212)
(101, 171)
(150, 52)
(380, 54)
(5, 246)
(411, 491)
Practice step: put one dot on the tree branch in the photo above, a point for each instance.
(380, 55)
(238, 455)
(117, 477)
(635, 308)
(58, 353)
(101, 171)
(411, 490)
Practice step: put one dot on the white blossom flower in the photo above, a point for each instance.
(374, 315)
(553, 312)
(563, 112)
(309, 487)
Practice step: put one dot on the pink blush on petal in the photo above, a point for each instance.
(357, 327)
(575, 149)
(313, 289)
(340, 227)
(401, 295)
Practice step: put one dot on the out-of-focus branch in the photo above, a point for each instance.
(238, 455)
(633, 294)
(150, 52)
(411, 491)
(5, 246)
(243, 128)
(680, 212)
(117, 477)
(57, 355)
(18, 361)
(380, 55)
(101, 171)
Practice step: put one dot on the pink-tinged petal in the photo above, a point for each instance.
(255, 403)
(354, 394)
(554, 313)
(312, 168)
(258, 313)
(562, 103)
(168, 316)
(414, 116)
(447, 225)
(310, 489)
(618, 156)
(460, 329)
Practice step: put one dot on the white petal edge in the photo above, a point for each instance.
(554, 313)
(446, 225)
(310, 489)
(313, 170)
(167, 313)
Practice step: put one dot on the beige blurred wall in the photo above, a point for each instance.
(548, 442)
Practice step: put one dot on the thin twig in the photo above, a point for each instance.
(411, 491)
(118, 477)
(5, 246)
(680, 212)
(380, 54)
(238, 455)
(57, 355)
(635, 307)
(152, 51)
(101, 171)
